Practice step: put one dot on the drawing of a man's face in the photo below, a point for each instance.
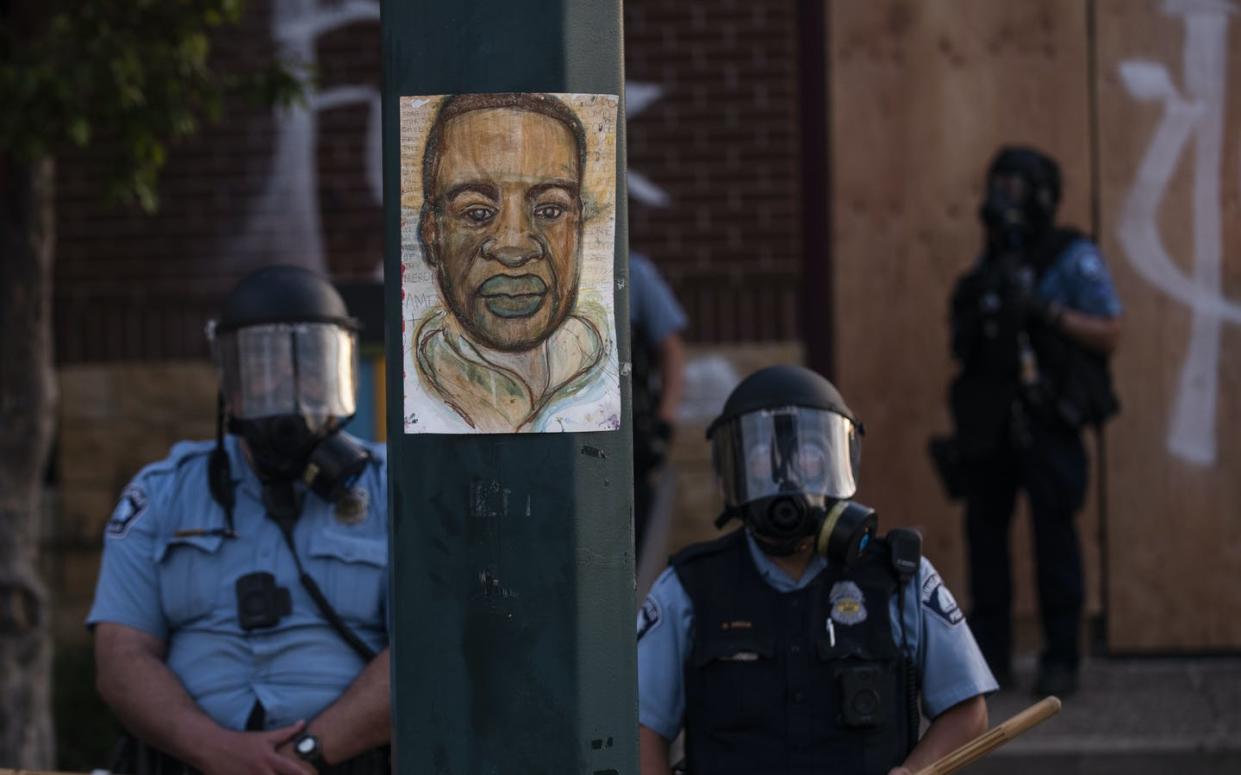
(503, 222)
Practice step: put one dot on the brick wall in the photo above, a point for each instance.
(723, 142)
(113, 420)
(255, 188)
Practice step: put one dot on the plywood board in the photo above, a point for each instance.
(921, 96)
(1170, 151)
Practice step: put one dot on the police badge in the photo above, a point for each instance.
(848, 603)
(351, 507)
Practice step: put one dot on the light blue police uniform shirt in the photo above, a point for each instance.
(652, 305)
(1079, 280)
(181, 589)
(948, 660)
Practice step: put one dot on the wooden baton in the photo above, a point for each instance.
(994, 738)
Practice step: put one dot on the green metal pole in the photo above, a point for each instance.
(512, 555)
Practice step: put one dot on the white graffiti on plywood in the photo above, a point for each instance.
(1197, 111)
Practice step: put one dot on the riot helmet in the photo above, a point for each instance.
(786, 450)
(1020, 199)
(286, 351)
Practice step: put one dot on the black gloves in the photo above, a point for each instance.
(1035, 310)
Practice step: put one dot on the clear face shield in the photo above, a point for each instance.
(786, 451)
(283, 369)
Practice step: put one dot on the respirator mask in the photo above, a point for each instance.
(1023, 190)
(288, 389)
(1007, 214)
(788, 473)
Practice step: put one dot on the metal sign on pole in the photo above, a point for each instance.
(509, 451)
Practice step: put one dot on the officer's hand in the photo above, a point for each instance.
(1035, 310)
(286, 750)
(900, 771)
(253, 753)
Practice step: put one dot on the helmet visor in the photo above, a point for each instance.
(307, 369)
(784, 451)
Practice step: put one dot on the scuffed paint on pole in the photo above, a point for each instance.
(512, 553)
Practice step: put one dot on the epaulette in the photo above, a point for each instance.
(181, 453)
(188, 450)
(707, 548)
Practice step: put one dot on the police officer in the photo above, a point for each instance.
(240, 612)
(800, 643)
(656, 320)
(1032, 325)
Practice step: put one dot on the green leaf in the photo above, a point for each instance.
(79, 131)
(139, 73)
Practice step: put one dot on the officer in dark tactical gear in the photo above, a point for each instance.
(240, 615)
(801, 642)
(1033, 323)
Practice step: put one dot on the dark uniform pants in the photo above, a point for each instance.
(1051, 470)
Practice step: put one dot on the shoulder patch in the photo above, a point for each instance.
(848, 603)
(133, 504)
(649, 617)
(937, 599)
(1089, 264)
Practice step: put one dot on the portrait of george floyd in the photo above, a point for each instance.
(508, 206)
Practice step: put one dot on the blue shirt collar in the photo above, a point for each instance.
(775, 576)
(240, 469)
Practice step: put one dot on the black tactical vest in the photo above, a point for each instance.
(769, 688)
(1076, 385)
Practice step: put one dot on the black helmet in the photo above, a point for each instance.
(283, 294)
(782, 386)
(1039, 169)
(785, 429)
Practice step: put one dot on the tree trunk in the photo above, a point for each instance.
(27, 407)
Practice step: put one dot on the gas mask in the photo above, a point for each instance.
(288, 389)
(1011, 222)
(1023, 189)
(788, 473)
